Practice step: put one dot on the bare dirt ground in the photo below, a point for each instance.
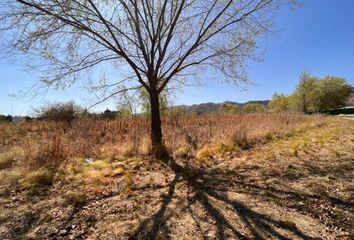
(296, 186)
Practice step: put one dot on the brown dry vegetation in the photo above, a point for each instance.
(40, 143)
(255, 176)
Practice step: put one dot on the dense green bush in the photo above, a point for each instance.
(313, 94)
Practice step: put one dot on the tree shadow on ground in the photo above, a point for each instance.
(158, 220)
(208, 187)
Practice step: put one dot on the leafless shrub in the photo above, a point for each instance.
(241, 139)
(59, 112)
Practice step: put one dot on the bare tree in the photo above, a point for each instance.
(139, 43)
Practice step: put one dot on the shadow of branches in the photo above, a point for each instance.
(209, 186)
(149, 228)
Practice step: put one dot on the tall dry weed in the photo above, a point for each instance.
(48, 142)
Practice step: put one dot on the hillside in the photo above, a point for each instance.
(211, 108)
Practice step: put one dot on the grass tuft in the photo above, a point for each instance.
(76, 199)
(182, 152)
(6, 160)
(35, 181)
(204, 153)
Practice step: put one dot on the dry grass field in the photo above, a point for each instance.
(252, 176)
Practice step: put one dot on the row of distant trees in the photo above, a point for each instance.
(247, 108)
(313, 94)
(9, 118)
(6, 118)
(68, 111)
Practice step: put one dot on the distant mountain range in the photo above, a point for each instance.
(210, 107)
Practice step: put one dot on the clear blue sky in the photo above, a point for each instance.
(318, 38)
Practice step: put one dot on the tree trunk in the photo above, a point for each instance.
(304, 104)
(158, 148)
